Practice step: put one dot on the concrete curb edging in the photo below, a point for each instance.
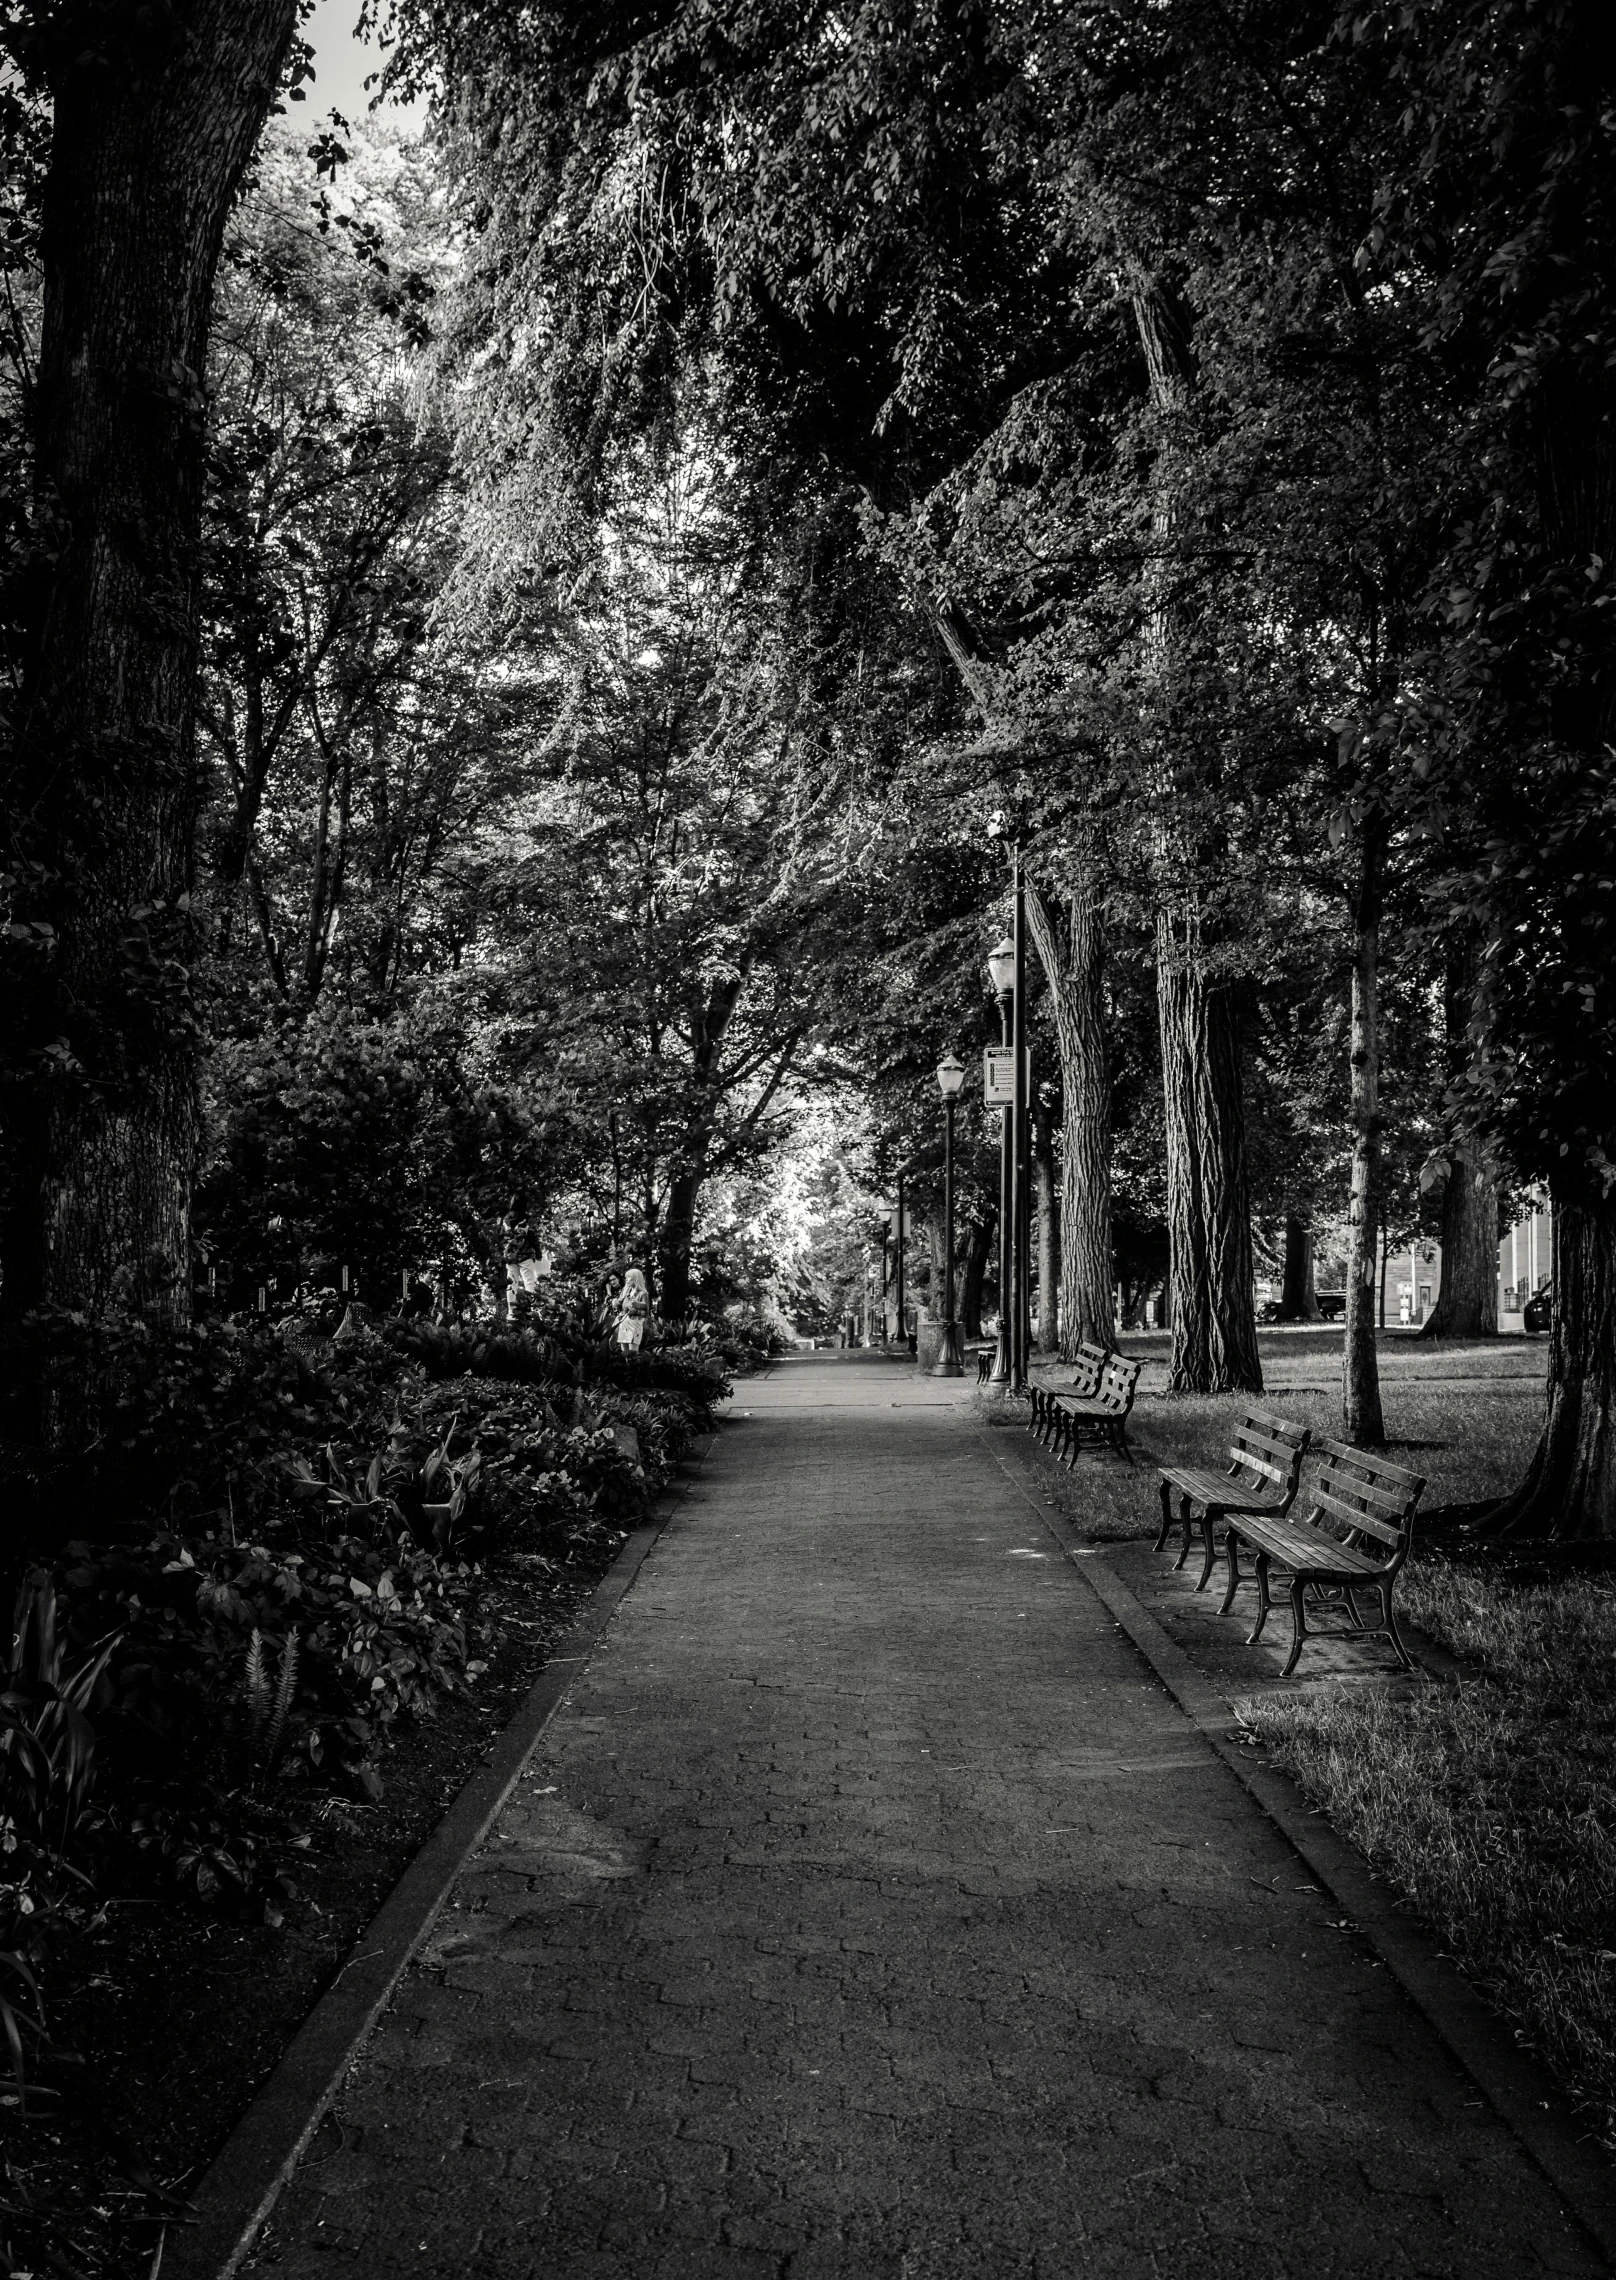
(244, 2179)
(1517, 2085)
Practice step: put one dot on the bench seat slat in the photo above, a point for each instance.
(1308, 1551)
(1218, 1489)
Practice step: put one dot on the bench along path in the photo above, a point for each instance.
(869, 1910)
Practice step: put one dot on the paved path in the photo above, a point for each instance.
(868, 1910)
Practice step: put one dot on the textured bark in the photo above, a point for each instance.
(1361, 1419)
(1046, 1201)
(1214, 1316)
(1212, 1302)
(1071, 950)
(1467, 1296)
(1570, 1488)
(973, 1273)
(1297, 1299)
(1467, 1300)
(155, 117)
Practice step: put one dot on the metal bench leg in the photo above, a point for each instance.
(1209, 1537)
(1231, 1552)
(1263, 1600)
(1389, 1625)
(1167, 1517)
(1184, 1525)
(1298, 1624)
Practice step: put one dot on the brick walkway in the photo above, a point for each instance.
(869, 1910)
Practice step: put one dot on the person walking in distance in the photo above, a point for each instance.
(633, 1311)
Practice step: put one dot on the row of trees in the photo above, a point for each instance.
(628, 556)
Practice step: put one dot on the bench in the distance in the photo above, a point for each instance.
(1088, 1367)
(1101, 1417)
(1265, 1466)
(1353, 1538)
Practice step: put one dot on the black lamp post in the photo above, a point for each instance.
(1002, 973)
(950, 1360)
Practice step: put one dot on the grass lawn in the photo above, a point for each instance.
(1490, 1802)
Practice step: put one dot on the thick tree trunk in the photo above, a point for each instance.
(1046, 1201)
(1467, 1296)
(1570, 1489)
(973, 1273)
(677, 1236)
(1214, 1316)
(1071, 950)
(1297, 1299)
(155, 118)
(1467, 1301)
(1361, 1419)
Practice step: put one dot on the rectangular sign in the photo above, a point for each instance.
(999, 1076)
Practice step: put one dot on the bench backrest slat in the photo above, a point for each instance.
(1252, 1462)
(1367, 1495)
(1088, 1364)
(1270, 1447)
(1364, 1523)
(1117, 1383)
(1374, 1468)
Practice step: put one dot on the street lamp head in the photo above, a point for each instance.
(1002, 967)
(950, 1076)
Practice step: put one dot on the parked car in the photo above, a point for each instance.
(1332, 1304)
(1538, 1312)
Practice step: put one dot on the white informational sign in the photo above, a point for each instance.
(999, 1078)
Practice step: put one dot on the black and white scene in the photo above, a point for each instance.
(807, 1140)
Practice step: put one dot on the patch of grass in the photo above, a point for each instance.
(1491, 1804)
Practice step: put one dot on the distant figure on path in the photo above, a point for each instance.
(634, 1309)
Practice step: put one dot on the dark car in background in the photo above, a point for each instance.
(1538, 1312)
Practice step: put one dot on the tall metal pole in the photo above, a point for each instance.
(1001, 1358)
(1018, 1144)
(903, 1326)
(950, 1361)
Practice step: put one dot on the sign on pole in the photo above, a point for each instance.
(998, 1076)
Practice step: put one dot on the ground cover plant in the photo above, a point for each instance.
(301, 1527)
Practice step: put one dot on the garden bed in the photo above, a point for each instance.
(331, 1572)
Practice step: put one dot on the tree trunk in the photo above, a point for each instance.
(1570, 1487)
(1467, 1301)
(1361, 1419)
(1214, 1316)
(155, 118)
(1072, 954)
(1467, 1296)
(1297, 1300)
(677, 1237)
(973, 1274)
(1047, 1201)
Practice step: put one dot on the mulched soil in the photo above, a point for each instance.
(179, 2015)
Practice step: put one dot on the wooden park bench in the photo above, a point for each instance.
(1353, 1538)
(1265, 1465)
(1088, 1367)
(1101, 1416)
